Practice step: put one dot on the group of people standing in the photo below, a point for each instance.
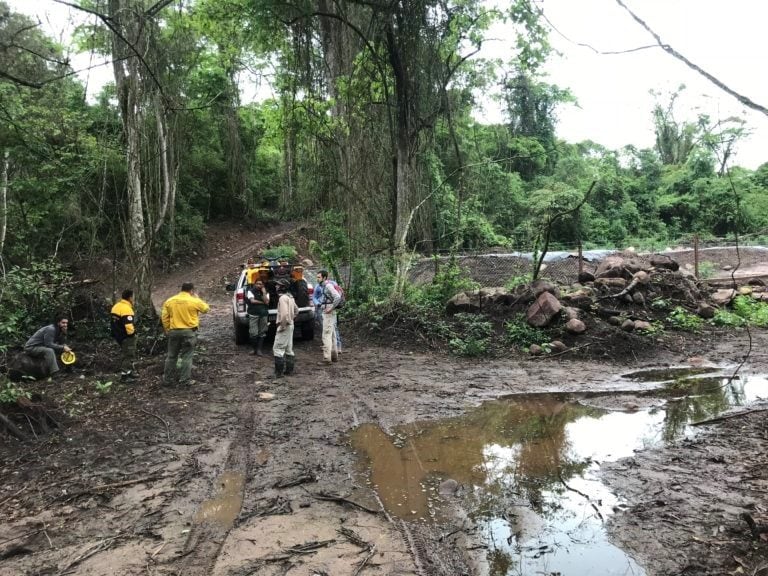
(326, 298)
(180, 319)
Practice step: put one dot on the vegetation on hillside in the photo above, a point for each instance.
(369, 134)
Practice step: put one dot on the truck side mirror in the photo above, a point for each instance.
(230, 287)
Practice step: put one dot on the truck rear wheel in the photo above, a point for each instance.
(241, 332)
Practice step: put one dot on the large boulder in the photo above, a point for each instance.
(581, 298)
(544, 310)
(575, 326)
(23, 365)
(723, 296)
(539, 286)
(463, 302)
(497, 295)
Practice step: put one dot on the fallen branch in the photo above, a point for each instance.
(727, 417)
(365, 560)
(100, 547)
(354, 538)
(13, 429)
(754, 527)
(167, 428)
(19, 491)
(341, 500)
(303, 478)
(103, 487)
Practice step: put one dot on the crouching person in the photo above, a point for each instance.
(287, 311)
(47, 343)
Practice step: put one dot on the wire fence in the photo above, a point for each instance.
(717, 256)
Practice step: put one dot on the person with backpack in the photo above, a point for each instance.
(123, 331)
(318, 300)
(331, 298)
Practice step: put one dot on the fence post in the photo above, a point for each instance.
(696, 256)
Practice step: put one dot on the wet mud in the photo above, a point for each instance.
(392, 461)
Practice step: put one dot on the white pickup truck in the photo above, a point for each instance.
(270, 271)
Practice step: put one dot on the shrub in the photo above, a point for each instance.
(728, 318)
(472, 335)
(30, 297)
(681, 319)
(753, 312)
(283, 251)
(519, 333)
(449, 281)
(11, 393)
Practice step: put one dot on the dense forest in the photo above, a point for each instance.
(369, 135)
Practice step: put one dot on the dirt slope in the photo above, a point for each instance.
(214, 480)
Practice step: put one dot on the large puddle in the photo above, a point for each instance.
(528, 466)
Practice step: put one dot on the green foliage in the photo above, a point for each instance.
(29, 298)
(333, 245)
(728, 319)
(471, 335)
(753, 312)
(660, 304)
(706, 269)
(103, 387)
(282, 251)
(11, 393)
(449, 280)
(519, 333)
(681, 319)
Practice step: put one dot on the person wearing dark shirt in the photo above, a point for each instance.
(48, 342)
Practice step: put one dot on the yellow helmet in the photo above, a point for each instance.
(68, 358)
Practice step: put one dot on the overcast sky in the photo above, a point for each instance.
(727, 39)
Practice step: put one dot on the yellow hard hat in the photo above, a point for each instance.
(68, 357)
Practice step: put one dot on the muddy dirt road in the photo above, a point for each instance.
(243, 474)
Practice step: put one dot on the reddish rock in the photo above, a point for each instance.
(542, 312)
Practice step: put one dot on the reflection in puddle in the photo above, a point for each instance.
(666, 374)
(225, 506)
(528, 467)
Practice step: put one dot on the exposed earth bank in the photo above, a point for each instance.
(241, 474)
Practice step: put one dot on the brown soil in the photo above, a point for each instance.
(218, 480)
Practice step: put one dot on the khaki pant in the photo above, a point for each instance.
(329, 335)
(283, 345)
(257, 326)
(181, 348)
(127, 354)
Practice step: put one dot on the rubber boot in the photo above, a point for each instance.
(290, 364)
(258, 346)
(279, 366)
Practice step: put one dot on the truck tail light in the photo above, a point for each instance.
(240, 300)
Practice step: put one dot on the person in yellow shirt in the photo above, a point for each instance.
(124, 332)
(180, 322)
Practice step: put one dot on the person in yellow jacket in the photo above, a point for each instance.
(123, 330)
(180, 322)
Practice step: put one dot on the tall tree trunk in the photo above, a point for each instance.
(4, 201)
(126, 67)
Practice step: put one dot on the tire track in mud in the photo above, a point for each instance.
(215, 518)
(415, 539)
